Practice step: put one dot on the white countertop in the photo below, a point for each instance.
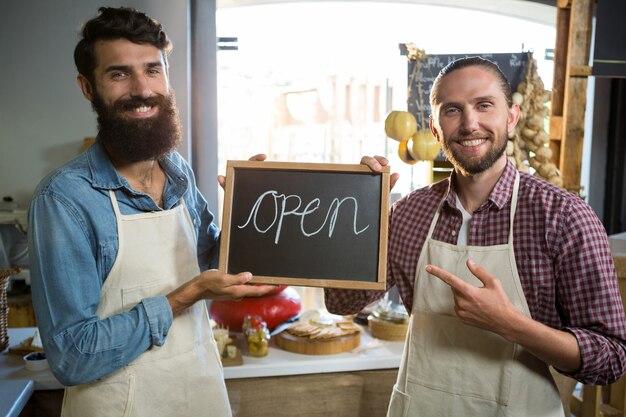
(371, 354)
(384, 355)
(12, 366)
(618, 243)
(15, 395)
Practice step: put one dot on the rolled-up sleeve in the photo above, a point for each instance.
(588, 295)
(160, 318)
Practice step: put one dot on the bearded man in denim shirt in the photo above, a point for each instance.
(122, 243)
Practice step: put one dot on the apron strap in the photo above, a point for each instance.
(513, 206)
(431, 229)
(116, 207)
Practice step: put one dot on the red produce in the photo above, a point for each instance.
(278, 289)
(274, 309)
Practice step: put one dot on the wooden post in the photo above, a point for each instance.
(558, 81)
(575, 94)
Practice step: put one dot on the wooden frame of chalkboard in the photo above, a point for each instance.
(306, 224)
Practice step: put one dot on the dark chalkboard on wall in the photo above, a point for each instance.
(609, 53)
(316, 225)
(513, 65)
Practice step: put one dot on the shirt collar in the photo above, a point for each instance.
(503, 191)
(500, 195)
(103, 173)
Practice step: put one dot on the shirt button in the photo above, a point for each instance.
(453, 233)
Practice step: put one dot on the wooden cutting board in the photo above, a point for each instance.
(306, 346)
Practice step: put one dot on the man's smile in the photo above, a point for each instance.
(472, 142)
(142, 112)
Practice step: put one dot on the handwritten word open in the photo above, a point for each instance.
(281, 211)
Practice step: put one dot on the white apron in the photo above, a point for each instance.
(450, 369)
(184, 377)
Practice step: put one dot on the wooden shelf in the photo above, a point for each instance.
(569, 88)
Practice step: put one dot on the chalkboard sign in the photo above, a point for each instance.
(513, 65)
(315, 225)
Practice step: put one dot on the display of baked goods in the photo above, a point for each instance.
(315, 330)
(320, 335)
(28, 345)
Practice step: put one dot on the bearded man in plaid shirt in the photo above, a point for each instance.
(503, 273)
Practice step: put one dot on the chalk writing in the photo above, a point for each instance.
(280, 202)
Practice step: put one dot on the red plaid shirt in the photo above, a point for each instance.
(561, 251)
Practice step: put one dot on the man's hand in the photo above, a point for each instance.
(487, 307)
(221, 180)
(215, 285)
(376, 163)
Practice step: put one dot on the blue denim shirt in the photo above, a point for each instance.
(73, 244)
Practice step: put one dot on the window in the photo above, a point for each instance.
(313, 82)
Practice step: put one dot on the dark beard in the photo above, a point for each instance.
(136, 140)
(476, 167)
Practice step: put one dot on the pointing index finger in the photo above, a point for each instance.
(447, 277)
